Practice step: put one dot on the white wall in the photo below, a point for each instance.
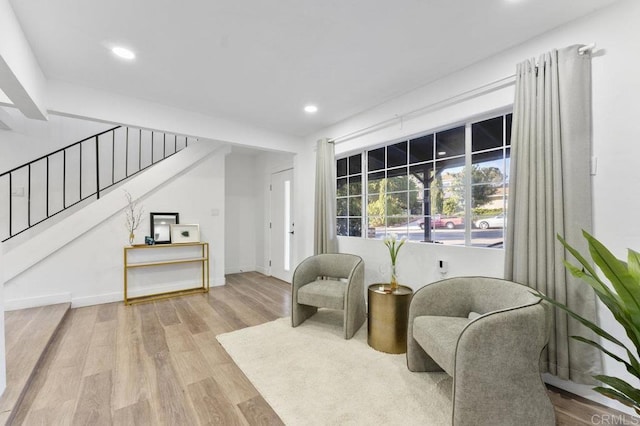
(615, 111)
(304, 191)
(242, 206)
(30, 139)
(3, 361)
(89, 268)
(4, 99)
(417, 263)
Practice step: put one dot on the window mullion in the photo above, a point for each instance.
(467, 184)
(364, 169)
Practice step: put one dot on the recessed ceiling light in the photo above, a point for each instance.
(311, 109)
(123, 53)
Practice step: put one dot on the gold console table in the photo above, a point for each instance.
(203, 259)
(388, 317)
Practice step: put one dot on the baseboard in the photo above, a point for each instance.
(119, 297)
(33, 302)
(587, 392)
(217, 282)
(263, 270)
(98, 299)
(79, 302)
(239, 269)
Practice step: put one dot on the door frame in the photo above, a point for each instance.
(272, 219)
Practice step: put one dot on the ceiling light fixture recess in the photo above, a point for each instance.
(123, 53)
(311, 109)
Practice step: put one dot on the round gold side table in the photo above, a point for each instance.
(387, 318)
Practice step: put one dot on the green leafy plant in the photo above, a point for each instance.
(623, 300)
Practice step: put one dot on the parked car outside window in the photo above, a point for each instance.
(490, 222)
(438, 221)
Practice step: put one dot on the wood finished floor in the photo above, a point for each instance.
(28, 332)
(160, 364)
(156, 363)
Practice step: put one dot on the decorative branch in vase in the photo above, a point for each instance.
(133, 216)
(394, 245)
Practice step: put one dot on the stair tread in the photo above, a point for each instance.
(28, 332)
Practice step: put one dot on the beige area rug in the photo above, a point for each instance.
(310, 375)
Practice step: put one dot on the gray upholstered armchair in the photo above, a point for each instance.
(488, 335)
(317, 283)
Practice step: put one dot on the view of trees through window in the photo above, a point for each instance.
(447, 187)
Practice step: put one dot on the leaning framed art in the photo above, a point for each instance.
(181, 233)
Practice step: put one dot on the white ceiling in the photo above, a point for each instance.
(261, 61)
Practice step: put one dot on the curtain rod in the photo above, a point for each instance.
(587, 48)
(461, 97)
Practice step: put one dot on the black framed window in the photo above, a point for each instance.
(349, 193)
(449, 186)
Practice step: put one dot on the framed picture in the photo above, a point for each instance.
(160, 224)
(185, 234)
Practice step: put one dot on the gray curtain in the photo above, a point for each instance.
(550, 194)
(325, 211)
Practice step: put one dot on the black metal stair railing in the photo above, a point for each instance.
(68, 176)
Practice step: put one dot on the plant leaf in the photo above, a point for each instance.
(593, 281)
(584, 262)
(616, 307)
(623, 387)
(633, 263)
(634, 362)
(618, 396)
(627, 288)
(600, 332)
(610, 299)
(631, 367)
(622, 298)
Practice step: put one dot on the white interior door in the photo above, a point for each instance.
(282, 224)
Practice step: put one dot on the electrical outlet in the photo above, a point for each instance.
(443, 267)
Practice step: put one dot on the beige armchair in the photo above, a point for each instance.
(488, 335)
(334, 281)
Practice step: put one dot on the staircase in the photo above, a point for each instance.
(28, 335)
(72, 176)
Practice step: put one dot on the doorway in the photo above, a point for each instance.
(282, 226)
